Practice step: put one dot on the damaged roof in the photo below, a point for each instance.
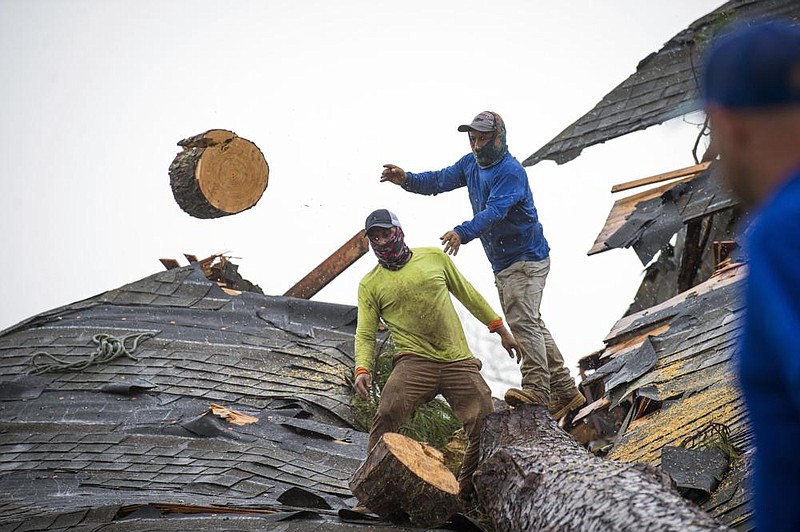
(672, 365)
(664, 85)
(647, 221)
(186, 404)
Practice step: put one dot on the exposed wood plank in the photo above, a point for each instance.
(330, 268)
(719, 279)
(170, 264)
(622, 209)
(683, 172)
(634, 343)
(603, 402)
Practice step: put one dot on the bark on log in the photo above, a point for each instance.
(404, 480)
(534, 476)
(217, 174)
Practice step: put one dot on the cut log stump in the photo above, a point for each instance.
(217, 174)
(403, 480)
(534, 476)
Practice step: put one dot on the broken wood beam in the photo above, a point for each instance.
(533, 476)
(683, 172)
(403, 480)
(330, 268)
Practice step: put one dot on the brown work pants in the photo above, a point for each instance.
(520, 287)
(415, 380)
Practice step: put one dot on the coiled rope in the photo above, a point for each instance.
(108, 349)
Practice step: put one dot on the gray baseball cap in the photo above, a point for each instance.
(482, 122)
(381, 218)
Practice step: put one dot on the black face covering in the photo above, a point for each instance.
(496, 148)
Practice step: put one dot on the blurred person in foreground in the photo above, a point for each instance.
(409, 290)
(507, 223)
(751, 92)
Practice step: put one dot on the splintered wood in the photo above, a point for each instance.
(232, 416)
(217, 174)
(404, 480)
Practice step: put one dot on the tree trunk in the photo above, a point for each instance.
(534, 476)
(218, 174)
(404, 480)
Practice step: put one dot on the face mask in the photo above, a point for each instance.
(394, 253)
(494, 150)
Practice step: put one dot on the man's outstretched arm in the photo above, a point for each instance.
(428, 183)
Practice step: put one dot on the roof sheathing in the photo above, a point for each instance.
(648, 220)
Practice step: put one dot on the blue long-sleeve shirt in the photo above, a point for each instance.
(769, 361)
(505, 217)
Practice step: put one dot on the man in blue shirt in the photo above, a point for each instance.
(751, 92)
(506, 221)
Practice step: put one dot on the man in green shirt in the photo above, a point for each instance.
(409, 290)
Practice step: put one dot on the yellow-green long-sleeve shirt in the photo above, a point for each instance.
(414, 303)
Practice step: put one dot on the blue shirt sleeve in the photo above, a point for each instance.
(505, 191)
(432, 183)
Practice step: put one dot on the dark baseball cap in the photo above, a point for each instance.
(482, 122)
(381, 218)
(754, 66)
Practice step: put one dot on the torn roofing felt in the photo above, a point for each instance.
(671, 366)
(647, 221)
(134, 438)
(664, 85)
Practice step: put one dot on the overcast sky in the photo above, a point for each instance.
(95, 95)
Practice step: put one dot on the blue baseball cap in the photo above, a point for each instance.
(754, 66)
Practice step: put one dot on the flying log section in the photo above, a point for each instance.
(218, 174)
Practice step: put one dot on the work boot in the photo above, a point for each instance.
(515, 397)
(563, 404)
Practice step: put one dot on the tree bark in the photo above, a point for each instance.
(534, 476)
(217, 174)
(403, 480)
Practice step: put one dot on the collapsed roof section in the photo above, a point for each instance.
(171, 397)
(664, 386)
(663, 87)
(647, 221)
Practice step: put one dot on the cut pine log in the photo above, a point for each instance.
(403, 480)
(534, 476)
(217, 174)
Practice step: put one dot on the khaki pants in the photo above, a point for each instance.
(520, 287)
(415, 380)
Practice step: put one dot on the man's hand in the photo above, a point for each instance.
(509, 343)
(393, 174)
(451, 242)
(363, 385)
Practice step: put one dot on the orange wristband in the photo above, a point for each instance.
(495, 324)
(361, 371)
